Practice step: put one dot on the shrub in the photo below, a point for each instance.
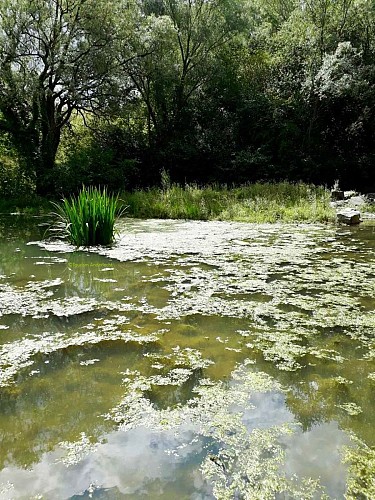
(88, 218)
(14, 182)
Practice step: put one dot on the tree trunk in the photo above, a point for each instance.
(49, 143)
(45, 168)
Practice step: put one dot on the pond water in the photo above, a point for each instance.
(191, 360)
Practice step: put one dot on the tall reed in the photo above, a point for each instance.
(88, 218)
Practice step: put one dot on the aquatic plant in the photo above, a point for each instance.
(244, 462)
(77, 450)
(88, 218)
(361, 474)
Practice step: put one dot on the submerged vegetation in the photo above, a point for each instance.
(259, 202)
(230, 359)
(88, 218)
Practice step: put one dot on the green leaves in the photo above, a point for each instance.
(88, 218)
(56, 59)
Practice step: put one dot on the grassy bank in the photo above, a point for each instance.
(266, 202)
(260, 202)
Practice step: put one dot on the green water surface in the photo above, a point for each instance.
(190, 360)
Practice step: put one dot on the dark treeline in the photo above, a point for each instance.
(228, 91)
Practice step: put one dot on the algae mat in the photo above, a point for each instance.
(190, 360)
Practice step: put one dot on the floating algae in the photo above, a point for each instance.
(249, 468)
(77, 450)
(187, 357)
(136, 410)
(19, 355)
(361, 474)
(171, 310)
(351, 408)
(247, 463)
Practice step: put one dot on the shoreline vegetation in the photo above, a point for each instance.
(256, 203)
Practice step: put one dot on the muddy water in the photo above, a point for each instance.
(192, 360)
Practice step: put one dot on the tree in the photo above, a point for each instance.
(55, 59)
(179, 40)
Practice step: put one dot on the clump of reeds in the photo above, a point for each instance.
(88, 218)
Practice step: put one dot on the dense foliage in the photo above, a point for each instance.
(112, 92)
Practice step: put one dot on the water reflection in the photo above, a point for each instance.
(139, 463)
(171, 307)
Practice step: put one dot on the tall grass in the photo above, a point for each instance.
(368, 207)
(260, 202)
(88, 218)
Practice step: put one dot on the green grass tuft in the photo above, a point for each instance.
(88, 218)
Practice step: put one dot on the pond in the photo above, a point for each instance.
(191, 360)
